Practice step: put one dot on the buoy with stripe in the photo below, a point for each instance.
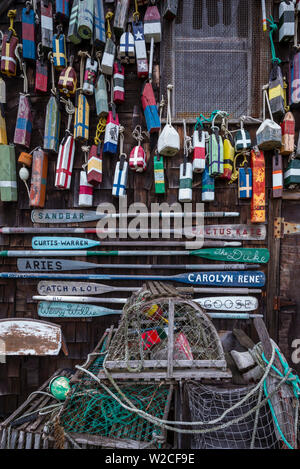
(185, 171)
(111, 137)
(286, 27)
(99, 24)
(292, 173)
(120, 177)
(39, 172)
(28, 32)
(85, 19)
(159, 174)
(199, 136)
(8, 175)
(8, 49)
(228, 153)
(101, 97)
(121, 16)
(41, 72)
(67, 81)
(65, 159)
(276, 93)
(118, 83)
(59, 49)
(215, 153)
(23, 129)
(90, 75)
(127, 48)
(53, 116)
(94, 167)
(46, 24)
(208, 186)
(73, 35)
(62, 9)
(82, 108)
(245, 182)
(137, 157)
(85, 198)
(288, 134)
(277, 175)
(109, 50)
(140, 46)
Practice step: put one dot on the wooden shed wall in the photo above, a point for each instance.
(20, 376)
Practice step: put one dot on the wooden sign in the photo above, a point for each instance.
(228, 303)
(222, 303)
(73, 310)
(64, 288)
(22, 336)
(246, 255)
(51, 243)
(231, 279)
(78, 288)
(45, 265)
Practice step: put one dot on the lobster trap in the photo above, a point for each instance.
(164, 338)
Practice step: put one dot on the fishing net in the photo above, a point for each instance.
(91, 410)
(165, 337)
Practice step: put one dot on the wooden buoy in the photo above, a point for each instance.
(258, 201)
(288, 134)
(46, 24)
(28, 32)
(277, 175)
(245, 183)
(8, 176)
(73, 35)
(37, 194)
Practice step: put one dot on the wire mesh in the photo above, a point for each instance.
(215, 54)
(209, 402)
(145, 337)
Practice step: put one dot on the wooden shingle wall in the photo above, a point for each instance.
(20, 376)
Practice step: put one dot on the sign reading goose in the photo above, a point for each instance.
(229, 303)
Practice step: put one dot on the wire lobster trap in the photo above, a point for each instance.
(164, 338)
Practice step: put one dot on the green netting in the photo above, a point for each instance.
(94, 411)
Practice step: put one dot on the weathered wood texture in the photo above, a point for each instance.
(20, 376)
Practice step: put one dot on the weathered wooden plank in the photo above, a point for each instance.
(24, 336)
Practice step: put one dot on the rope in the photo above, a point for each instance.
(273, 28)
(53, 88)
(168, 424)
(82, 55)
(136, 15)
(169, 118)
(109, 15)
(11, 15)
(100, 129)
(266, 100)
(202, 119)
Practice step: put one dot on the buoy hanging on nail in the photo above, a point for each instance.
(140, 46)
(127, 48)
(73, 35)
(3, 134)
(245, 182)
(8, 175)
(118, 82)
(53, 116)
(85, 19)
(94, 167)
(228, 154)
(41, 71)
(121, 170)
(66, 153)
(67, 82)
(99, 24)
(46, 24)
(28, 32)
(137, 157)
(199, 136)
(37, 194)
(9, 44)
(85, 189)
(186, 171)
(109, 50)
(59, 49)
(111, 137)
(288, 134)
(90, 74)
(258, 201)
(277, 175)
(208, 186)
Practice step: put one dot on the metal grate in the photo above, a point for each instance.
(210, 53)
